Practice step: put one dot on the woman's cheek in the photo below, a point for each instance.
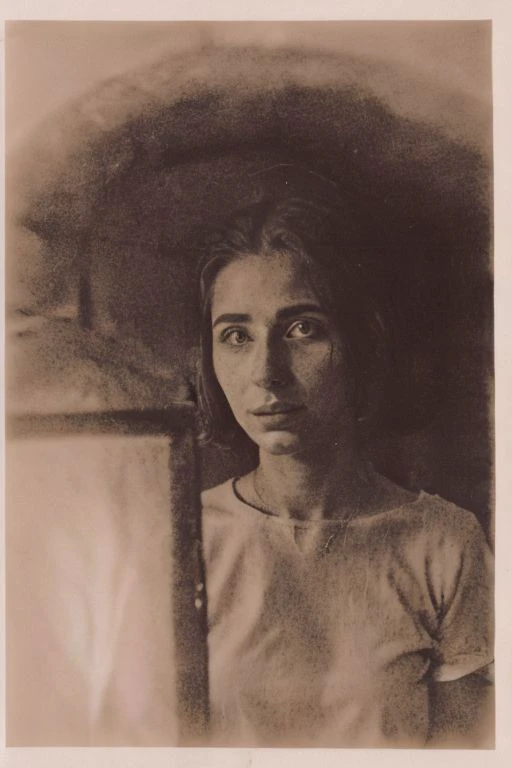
(230, 379)
(222, 367)
(315, 365)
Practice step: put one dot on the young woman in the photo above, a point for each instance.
(344, 610)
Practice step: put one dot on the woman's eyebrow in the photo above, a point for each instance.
(231, 318)
(299, 309)
(281, 314)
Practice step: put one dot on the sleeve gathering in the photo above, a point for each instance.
(464, 584)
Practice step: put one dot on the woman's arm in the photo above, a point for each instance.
(461, 580)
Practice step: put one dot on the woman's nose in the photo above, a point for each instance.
(270, 366)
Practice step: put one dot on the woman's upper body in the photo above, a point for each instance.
(346, 632)
(343, 610)
(339, 632)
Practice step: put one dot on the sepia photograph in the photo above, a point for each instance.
(250, 430)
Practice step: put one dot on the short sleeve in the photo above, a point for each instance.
(465, 584)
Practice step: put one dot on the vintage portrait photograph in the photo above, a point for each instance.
(250, 384)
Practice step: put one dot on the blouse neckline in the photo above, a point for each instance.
(295, 522)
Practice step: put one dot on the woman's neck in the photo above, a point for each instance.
(319, 485)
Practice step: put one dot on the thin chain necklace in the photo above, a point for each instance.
(342, 524)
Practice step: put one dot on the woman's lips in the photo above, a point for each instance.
(278, 415)
(276, 409)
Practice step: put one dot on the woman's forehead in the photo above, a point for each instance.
(262, 282)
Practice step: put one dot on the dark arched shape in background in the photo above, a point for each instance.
(109, 202)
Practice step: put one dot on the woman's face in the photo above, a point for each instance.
(277, 355)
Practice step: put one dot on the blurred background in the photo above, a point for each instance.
(129, 141)
(126, 143)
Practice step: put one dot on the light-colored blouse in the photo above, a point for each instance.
(331, 634)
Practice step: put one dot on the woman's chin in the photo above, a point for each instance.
(280, 443)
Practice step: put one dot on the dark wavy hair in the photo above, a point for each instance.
(325, 235)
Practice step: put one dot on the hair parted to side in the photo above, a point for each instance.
(324, 235)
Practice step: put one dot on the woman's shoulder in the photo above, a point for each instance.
(438, 528)
(444, 515)
(428, 508)
(219, 497)
(425, 519)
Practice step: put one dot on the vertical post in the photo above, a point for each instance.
(188, 591)
(188, 587)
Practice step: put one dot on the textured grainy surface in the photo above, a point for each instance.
(104, 573)
(123, 182)
(89, 641)
(108, 200)
(340, 633)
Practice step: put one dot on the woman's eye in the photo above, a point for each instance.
(235, 337)
(302, 329)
